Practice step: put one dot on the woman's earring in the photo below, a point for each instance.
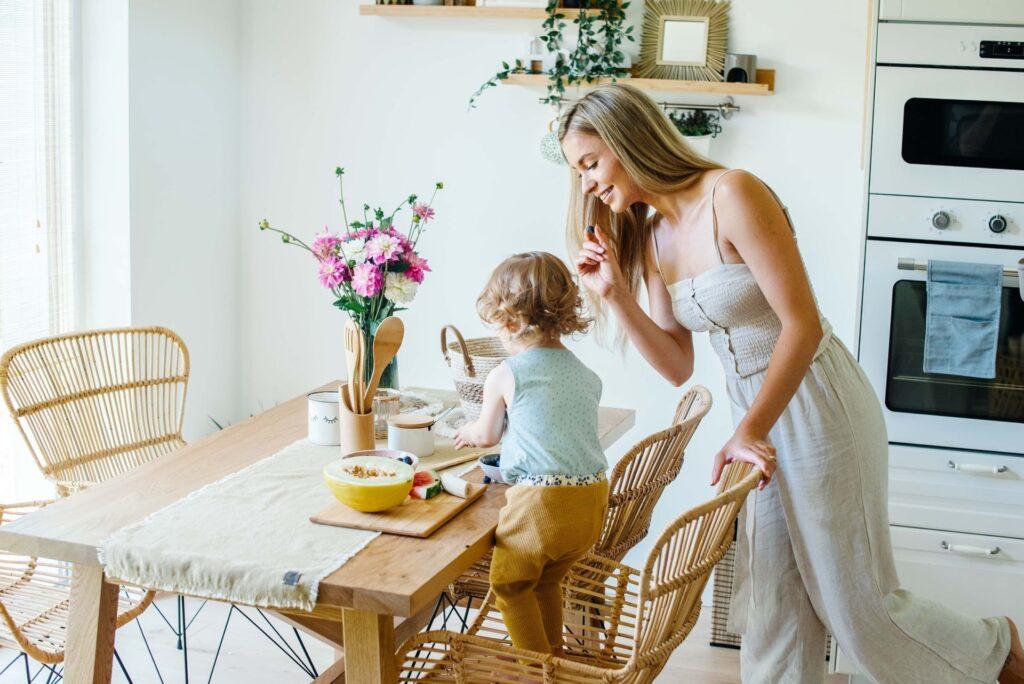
(550, 147)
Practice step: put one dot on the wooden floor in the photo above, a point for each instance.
(247, 657)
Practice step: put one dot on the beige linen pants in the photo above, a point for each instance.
(814, 552)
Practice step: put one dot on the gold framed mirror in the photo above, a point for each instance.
(684, 40)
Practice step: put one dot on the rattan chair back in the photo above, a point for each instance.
(640, 477)
(95, 404)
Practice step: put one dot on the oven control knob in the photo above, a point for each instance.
(997, 224)
(940, 220)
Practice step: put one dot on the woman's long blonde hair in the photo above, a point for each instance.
(651, 151)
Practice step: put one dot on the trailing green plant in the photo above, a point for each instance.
(696, 122)
(601, 29)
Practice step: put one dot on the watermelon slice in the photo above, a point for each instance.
(425, 485)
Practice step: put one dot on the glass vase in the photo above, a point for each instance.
(389, 377)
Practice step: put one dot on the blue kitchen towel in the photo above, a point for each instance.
(962, 325)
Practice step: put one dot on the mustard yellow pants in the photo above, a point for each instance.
(541, 532)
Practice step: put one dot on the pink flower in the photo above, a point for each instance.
(423, 211)
(367, 280)
(333, 272)
(418, 267)
(325, 244)
(383, 248)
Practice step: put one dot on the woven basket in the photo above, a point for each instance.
(471, 360)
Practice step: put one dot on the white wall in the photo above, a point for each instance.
(184, 112)
(386, 98)
(106, 235)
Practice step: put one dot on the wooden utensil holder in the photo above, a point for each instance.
(355, 429)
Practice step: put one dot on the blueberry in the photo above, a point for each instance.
(406, 459)
(487, 480)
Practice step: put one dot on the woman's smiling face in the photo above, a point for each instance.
(601, 174)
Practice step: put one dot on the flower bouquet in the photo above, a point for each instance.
(372, 268)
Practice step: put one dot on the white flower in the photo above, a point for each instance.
(399, 288)
(354, 250)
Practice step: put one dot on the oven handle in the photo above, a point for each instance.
(969, 550)
(973, 468)
(909, 264)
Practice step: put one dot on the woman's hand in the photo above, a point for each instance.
(749, 449)
(598, 268)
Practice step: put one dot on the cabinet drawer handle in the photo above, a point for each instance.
(969, 550)
(974, 468)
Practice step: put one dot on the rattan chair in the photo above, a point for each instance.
(93, 405)
(621, 624)
(90, 406)
(34, 598)
(635, 486)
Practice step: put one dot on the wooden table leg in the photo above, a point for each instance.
(91, 626)
(369, 647)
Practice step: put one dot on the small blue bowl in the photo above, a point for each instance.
(489, 464)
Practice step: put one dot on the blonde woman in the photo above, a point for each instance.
(718, 254)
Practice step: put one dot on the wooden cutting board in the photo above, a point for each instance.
(418, 518)
(445, 456)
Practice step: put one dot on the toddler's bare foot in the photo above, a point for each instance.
(1013, 671)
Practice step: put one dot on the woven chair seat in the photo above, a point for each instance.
(620, 624)
(34, 597)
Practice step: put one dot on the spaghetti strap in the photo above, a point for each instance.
(657, 256)
(714, 217)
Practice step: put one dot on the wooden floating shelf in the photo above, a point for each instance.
(765, 84)
(461, 11)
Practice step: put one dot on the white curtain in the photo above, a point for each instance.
(37, 198)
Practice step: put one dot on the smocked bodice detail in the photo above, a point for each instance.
(727, 303)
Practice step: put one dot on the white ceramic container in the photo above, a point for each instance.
(411, 432)
(323, 418)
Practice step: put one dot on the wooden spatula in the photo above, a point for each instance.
(386, 342)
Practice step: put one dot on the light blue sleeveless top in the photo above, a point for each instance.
(552, 422)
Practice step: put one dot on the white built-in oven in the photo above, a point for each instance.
(948, 115)
(929, 408)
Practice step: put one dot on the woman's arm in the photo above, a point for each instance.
(659, 337)
(486, 430)
(753, 223)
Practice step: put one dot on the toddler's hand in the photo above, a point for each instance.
(463, 438)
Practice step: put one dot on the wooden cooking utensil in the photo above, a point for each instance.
(357, 381)
(386, 342)
(352, 357)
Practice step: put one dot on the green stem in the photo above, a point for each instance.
(341, 199)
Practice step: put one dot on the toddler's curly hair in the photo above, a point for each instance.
(533, 295)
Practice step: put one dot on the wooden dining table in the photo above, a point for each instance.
(365, 609)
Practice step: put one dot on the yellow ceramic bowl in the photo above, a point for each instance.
(369, 481)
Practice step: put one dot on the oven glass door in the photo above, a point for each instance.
(908, 389)
(964, 133)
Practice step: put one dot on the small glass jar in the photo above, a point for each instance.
(386, 403)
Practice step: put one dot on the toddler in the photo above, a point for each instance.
(555, 511)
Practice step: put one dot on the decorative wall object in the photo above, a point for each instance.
(684, 40)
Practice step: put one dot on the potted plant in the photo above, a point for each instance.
(598, 53)
(371, 268)
(698, 128)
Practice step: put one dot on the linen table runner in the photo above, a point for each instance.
(246, 538)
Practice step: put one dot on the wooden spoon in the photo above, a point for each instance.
(386, 342)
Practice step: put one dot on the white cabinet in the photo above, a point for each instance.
(961, 491)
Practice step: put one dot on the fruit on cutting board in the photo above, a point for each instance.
(425, 485)
(369, 483)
